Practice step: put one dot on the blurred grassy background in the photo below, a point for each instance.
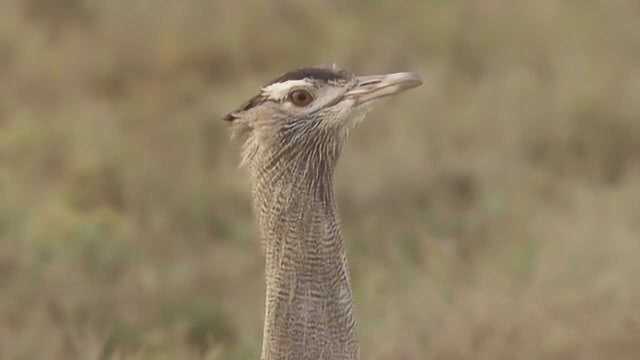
(493, 213)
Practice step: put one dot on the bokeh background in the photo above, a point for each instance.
(493, 213)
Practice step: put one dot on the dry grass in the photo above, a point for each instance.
(498, 217)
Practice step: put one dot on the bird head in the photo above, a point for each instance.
(311, 110)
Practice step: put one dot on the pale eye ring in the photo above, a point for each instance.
(300, 97)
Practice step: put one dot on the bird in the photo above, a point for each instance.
(293, 133)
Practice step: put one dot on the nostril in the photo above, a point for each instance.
(369, 82)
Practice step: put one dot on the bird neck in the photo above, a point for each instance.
(308, 292)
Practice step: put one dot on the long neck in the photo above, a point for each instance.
(308, 301)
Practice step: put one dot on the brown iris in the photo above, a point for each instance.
(300, 97)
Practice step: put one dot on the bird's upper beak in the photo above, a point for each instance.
(374, 87)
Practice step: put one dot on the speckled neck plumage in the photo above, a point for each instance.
(308, 301)
(294, 129)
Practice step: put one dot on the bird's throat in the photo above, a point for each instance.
(308, 293)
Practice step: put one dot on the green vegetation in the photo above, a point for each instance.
(492, 214)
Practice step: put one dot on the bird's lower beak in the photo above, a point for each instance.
(377, 86)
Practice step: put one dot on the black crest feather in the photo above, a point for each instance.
(324, 74)
(254, 101)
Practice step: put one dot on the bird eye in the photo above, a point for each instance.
(300, 97)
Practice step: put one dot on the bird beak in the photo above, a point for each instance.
(377, 86)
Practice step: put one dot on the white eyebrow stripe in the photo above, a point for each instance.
(280, 90)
